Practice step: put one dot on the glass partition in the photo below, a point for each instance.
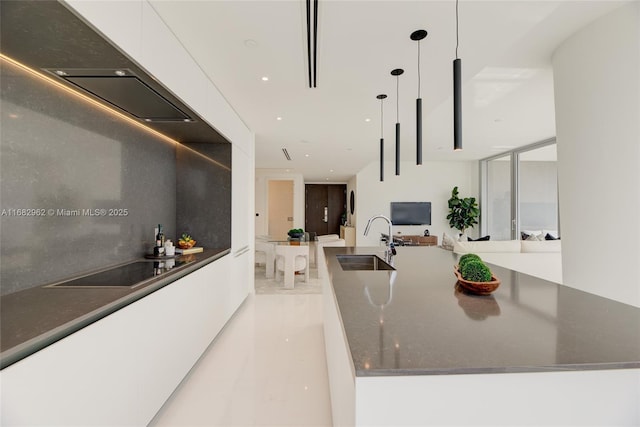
(497, 207)
(538, 192)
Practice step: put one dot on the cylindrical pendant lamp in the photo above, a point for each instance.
(381, 97)
(457, 104)
(397, 72)
(457, 95)
(417, 36)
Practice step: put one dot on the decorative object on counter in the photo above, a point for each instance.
(463, 213)
(474, 276)
(193, 250)
(169, 249)
(186, 241)
(296, 233)
(158, 249)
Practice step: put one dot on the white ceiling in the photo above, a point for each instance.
(505, 47)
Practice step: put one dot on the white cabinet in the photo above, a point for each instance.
(121, 369)
(242, 224)
(241, 199)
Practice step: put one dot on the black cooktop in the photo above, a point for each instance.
(128, 275)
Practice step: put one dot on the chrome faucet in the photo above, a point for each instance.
(391, 249)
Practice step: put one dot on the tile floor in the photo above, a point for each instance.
(267, 367)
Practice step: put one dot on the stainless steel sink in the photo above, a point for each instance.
(362, 262)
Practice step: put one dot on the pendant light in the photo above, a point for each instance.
(397, 72)
(457, 95)
(381, 97)
(417, 36)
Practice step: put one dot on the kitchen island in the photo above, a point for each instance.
(408, 347)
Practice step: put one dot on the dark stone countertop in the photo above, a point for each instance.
(37, 317)
(423, 325)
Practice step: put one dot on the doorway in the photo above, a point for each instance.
(325, 204)
(280, 208)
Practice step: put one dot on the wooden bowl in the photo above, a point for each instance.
(187, 245)
(478, 288)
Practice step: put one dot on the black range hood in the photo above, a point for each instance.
(124, 90)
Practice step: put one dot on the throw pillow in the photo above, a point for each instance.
(447, 242)
(535, 238)
(550, 237)
(479, 239)
(524, 236)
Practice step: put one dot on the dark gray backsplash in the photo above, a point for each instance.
(63, 155)
(203, 207)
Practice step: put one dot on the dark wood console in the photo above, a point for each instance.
(417, 240)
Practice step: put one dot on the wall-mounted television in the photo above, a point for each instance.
(411, 213)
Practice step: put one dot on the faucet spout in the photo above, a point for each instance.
(391, 250)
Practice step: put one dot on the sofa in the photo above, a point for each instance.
(541, 259)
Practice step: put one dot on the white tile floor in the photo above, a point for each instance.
(267, 367)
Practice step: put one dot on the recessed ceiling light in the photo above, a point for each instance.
(367, 120)
(250, 43)
(61, 73)
(120, 73)
(330, 170)
(287, 170)
(327, 179)
(278, 118)
(306, 155)
(265, 78)
(13, 116)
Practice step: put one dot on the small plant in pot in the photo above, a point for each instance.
(463, 213)
(296, 233)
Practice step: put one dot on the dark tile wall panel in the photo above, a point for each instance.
(62, 155)
(203, 196)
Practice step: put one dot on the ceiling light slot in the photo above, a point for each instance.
(286, 154)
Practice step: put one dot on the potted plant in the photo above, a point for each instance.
(296, 233)
(463, 213)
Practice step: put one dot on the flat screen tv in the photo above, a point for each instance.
(411, 213)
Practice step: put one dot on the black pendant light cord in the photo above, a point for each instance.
(397, 98)
(457, 40)
(381, 120)
(419, 70)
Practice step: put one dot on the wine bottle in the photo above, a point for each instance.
(160, 236)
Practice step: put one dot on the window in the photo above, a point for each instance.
(519, 192)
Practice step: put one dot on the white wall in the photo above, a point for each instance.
(430, 182)
(261, 204)
(597, 93)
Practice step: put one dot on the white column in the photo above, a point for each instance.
(597, 97)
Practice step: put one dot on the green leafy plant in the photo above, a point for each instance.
(466, 258)
(475, 271)
(463, 213)
(295, 232)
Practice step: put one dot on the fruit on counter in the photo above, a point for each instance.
(186, 241)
